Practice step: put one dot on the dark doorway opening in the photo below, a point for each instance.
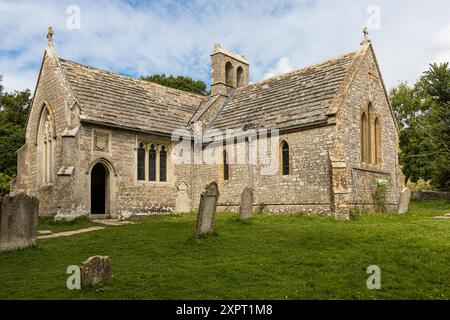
(99, 177)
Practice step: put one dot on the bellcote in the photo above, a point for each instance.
(228, 71)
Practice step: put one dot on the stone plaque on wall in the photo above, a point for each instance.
(101, 141)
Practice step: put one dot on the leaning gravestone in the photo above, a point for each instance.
(207, 210)
(96, 270)
(18, 221)
(246, 207)
(403, 203)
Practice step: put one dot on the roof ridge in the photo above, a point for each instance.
(302, 69)
(135, 79)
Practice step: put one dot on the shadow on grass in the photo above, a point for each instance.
(48, 223)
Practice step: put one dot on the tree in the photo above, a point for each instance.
(423, 115)
(14, 108)
(179, 82)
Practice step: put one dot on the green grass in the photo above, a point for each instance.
(60, 226)
(270, 257)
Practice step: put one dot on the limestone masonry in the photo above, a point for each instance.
(103, 145)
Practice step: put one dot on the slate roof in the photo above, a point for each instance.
(112, 99)
(299, 97)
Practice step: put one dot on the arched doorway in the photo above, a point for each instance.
(99, 189)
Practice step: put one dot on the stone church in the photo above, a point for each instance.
(102, 144)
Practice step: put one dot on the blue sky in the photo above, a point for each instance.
(175, 37)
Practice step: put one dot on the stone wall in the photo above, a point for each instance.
(430, 195)
(52, 92)
(326, 171)
(128, 196)
(365, 88)
(305, 190)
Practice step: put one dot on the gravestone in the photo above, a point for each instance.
(207, 210)
(18, 221)
(182, 201)
(96, 270)
(246, 206)
(403, 202)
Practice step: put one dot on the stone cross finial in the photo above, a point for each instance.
(217, 47)
(50, 34)
(366, 36)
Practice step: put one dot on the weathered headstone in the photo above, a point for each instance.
(246, 206)
(96, 270)
(182, 201)
(18, 221)
(207, 210)
(403, 203)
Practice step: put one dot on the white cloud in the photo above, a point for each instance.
(442, 57)
(283, 65)
(177, 37)
(441, 40)
(442, 37)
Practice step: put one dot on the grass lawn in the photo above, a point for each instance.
(271, 257)
(61, 226)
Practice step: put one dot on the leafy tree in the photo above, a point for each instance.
(4, 184)
(14, 108)
(179, 82)
(423, 114)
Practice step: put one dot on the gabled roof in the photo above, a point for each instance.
(297, 98)
(111, 99)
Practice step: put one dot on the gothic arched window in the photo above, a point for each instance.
(163, 164)
(370, 136)
(46, 147)
(369, 133)
(285, 159)
(364, 129)
(141, 162)
(152, 163)
(239, 77)
(229, 73)
(226, 166)
(377, 141)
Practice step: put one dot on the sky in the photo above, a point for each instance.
(139, 38)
